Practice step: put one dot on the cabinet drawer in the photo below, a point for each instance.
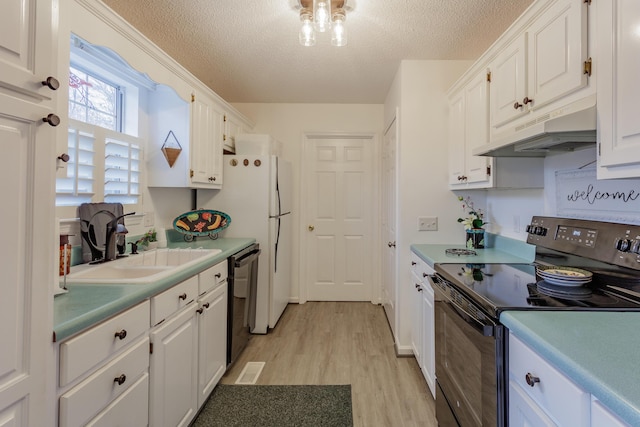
(212, 277)
(556, 394)
(421, 268)
(131, 408)
(172, 300)
(88, 398)
(88, 349)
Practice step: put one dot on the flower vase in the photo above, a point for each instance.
(475, 238)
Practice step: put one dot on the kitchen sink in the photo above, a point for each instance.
(145, 267)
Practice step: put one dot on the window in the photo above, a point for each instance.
(76, 186)
(93, 100)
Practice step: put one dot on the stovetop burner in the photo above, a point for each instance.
(460, 252)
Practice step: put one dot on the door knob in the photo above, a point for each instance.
(311, 228)
(52, 83)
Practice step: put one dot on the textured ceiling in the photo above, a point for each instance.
(248, 50)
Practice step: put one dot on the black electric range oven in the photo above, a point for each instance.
(470, 341)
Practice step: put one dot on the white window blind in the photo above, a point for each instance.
(77, 186)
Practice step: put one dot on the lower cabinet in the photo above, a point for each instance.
(124, 372)
(212, 330)
(540, 395)
(173, 370)
(422, 320)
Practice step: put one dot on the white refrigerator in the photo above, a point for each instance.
(256, 194)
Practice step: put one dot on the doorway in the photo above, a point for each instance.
(339, 215)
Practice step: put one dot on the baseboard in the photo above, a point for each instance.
(403, 350)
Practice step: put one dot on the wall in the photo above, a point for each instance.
(419, 91)
(289, 122)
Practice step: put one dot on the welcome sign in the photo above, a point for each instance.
(581, 195)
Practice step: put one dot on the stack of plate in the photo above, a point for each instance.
(564, 276)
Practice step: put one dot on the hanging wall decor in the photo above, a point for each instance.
(171, 148)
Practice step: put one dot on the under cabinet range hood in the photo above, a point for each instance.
(568, 128)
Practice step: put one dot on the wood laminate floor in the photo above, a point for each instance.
(343, 343)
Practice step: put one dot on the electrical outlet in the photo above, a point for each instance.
(428, 223)
(148, 219)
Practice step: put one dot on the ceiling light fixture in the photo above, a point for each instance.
(321, 16)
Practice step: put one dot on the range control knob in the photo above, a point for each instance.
(539, 231)
(635, 247)
(530, 228)
(623, 245)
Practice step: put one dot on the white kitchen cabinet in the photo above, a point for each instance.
(540, 65)
(95, 397)
(539, 394)
(27, 175)
(469, 129)
(602, 417)
(233, 126)
(212, 339)
(618, 46)
(207, 132)
(173, 370)
(422, 324)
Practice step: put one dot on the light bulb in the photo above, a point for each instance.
(307, 35)
(322, 15)
(339, 32)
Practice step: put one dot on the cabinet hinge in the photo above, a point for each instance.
(488, 170)
(190, 173)
(150, 348)
(587, 67)
(193, 98)
(588, 2)
(489, 76)
(224, 118)
(224, 137)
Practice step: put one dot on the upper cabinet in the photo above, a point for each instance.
(26, 50)
(207, 134)
(618, 47)
(468, 129)
(544, 63)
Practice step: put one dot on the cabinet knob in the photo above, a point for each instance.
(200, 310)
(121, 334)
(516, 105)
(52, 119)
(212, 178)
(51, 82)
(413, 263)
(462, 178)
(425, 275)
(182, 296)
(527, 100)
(311, 228)
(391, 244)
(120, 380)
(218, 275)
(531, 379)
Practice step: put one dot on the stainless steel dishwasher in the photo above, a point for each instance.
(241, 311)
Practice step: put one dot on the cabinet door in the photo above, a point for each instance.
(26, 182)
(456, 139)
(557, 43)
(173, 370)
(207, 124)
(25, 47)
(509, 83)
(523, 411)
(601, 416)
(476, 127)
(428, 337)
(618, 89)
(212, 341)
(416, 318)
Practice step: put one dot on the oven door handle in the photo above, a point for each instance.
(486, 326)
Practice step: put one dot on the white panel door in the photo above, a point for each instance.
(389, 206)
(339, 195)
(557, 44)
